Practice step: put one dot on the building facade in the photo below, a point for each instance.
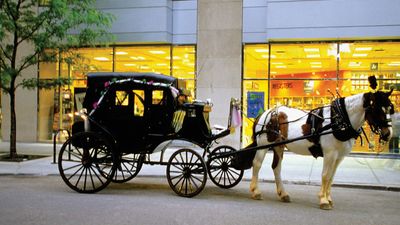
(265, 52)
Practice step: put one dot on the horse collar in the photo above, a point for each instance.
(341, 126)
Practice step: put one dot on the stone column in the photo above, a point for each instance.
(219, 50)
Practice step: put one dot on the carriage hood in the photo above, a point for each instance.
(99, 81)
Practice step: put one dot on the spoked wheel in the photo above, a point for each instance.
(128, 167)
(186, 173)
(86, 162)
(219, 169)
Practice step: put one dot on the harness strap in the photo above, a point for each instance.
(341, 125)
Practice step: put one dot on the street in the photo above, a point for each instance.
(46, 200)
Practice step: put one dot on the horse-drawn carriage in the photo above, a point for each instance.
(133, 115)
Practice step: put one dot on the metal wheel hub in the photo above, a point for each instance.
(187, 172)
(224, 166)
(87, 162)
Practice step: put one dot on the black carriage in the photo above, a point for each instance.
(133, 115)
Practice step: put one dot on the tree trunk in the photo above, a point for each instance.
(13, 130)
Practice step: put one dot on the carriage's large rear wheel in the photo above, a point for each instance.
(186, 173)
(128, 167)
(219, 169)
(86, 162)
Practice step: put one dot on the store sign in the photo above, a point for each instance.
(282, 86)
(255, 104)
(374, 66)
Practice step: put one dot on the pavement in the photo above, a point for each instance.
(359, 171)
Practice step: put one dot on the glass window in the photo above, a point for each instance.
(48, 110)
(358, 61)
(303, 61)
(255, 100)
(121, 98)
(155, 59)
(138, 100)
(256, 61)
(183, 67)
(304, 75)
(157, 97)
(183, 62)
(178, 61)
(77, 64)
(301, 74)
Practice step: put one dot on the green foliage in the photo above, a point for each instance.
(44, 83)
(30, 34)
(61, 26)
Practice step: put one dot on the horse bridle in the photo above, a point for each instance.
(374, 112)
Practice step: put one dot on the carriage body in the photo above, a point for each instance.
(130, 115)
(138, 112)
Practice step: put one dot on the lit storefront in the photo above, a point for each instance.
(57, 107)
(307, 75)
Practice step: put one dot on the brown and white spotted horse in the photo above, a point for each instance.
(344, 118)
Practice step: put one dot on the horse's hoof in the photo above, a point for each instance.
(285, 198)
(325, 206)
(331, 203)
(257, 196)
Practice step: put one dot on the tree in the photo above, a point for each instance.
(52, 32)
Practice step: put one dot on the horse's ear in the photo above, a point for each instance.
(372, 82)
(390, 92)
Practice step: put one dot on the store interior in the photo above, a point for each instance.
(305, 75)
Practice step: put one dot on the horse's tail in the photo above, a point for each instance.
(244, 160)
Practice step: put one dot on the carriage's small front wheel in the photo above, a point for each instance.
(128, 167)
(86, 162)
(220, 170)
(186, 173)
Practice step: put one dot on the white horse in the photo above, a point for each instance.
(285, 123)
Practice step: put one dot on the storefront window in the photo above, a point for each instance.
(303, 61)
(255, 61)
(255, 86)
(58, 107)
(360, 60)
(48, 102)
(255, 101)
(301, 74)
(155, 59)
(308, 75)
(183, 67)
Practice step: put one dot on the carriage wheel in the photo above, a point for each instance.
(219, 169)
(186, 173)
(86, 162)
(128, 167)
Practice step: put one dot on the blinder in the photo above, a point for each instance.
(378, 110)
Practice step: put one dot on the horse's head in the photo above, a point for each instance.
(378, 109)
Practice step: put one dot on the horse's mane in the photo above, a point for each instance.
(354, 103)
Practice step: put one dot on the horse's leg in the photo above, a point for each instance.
(276, 166)
(338, 161)
(257, 162)
(327, 174)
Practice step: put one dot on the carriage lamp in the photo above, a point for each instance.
(83, 111)
(67, 94)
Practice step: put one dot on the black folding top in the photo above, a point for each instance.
(98, 81)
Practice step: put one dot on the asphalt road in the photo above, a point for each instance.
(46, 200)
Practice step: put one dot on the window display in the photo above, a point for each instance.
(310, 75)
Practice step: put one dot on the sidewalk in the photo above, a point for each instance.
(354, 171)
